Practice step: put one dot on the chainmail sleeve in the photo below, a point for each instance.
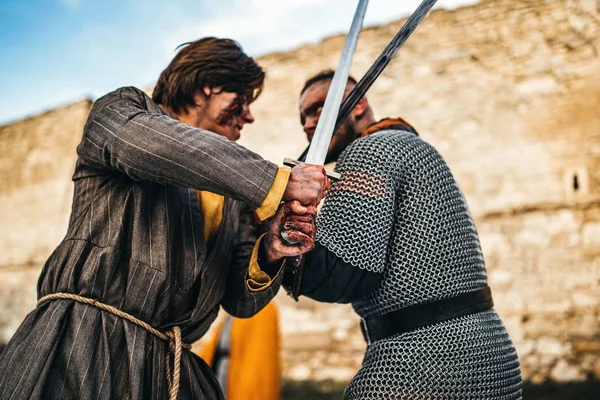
(328, 278)
(356, 220)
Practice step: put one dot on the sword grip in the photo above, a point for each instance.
(290, 162)
(287, 240)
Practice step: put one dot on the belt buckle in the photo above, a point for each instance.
(365, 331)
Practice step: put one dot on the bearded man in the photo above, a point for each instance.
(396, 239)
(161, 235)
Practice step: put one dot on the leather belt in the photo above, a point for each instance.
(420, 315)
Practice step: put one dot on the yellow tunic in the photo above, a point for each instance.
(255, 366)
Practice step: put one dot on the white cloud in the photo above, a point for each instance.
(262, 26)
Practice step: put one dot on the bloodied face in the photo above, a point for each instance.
(221, 112)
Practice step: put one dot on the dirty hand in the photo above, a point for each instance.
(299, 222)
(307, 183)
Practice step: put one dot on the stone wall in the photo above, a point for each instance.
(36, 164)
(508, 91)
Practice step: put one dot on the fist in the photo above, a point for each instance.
(299, 223)
(307, 184)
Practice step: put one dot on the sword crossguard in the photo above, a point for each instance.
(333, 176)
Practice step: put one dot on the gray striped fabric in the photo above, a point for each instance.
(135, 241)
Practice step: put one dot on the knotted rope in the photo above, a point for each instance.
(173, 336)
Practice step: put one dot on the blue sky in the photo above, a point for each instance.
(54, 52)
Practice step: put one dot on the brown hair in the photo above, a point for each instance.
(208, 62)
(322, 76)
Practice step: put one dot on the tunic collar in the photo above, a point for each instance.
(389, 123)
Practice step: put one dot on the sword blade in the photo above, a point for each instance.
(382, 61)
(326, 125)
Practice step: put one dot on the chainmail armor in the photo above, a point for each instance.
(398, 211)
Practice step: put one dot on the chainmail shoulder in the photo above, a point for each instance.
(398, 211)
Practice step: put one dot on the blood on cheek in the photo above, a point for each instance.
(227, 115)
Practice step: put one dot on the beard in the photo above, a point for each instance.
(345, 135)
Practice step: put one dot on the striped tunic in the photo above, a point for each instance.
(135, 241)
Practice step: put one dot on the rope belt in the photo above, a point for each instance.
(173, 336)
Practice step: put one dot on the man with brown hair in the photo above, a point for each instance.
(162, 233)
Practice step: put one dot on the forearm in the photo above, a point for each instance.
(148, 145)
(252, 282)
(247, 293)
(327, 278)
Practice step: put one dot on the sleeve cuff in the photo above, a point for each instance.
(269, 206)
(258, 280)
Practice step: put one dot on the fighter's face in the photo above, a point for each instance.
(311, 105)
(224, 113)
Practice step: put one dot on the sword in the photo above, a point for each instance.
(317, 151)
(383, 60)
(325, 127)
(348, 105)
(378, 66)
